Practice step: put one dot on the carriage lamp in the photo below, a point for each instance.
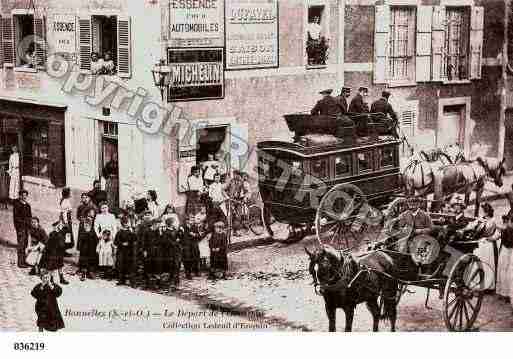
(161, 72)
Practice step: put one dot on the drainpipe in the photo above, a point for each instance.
(505, 60)
(341, 43)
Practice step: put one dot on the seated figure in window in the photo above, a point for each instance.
(29, 58)
(96, 64)
(316, 44)
(109, 68)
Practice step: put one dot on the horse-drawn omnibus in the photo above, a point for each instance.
(329, 160)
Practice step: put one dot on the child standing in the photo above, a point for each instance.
(105, 250)
(87, 243)
(47, 308)
(125, 243)
(505, 263)
(218, 243)
(190, 249)
(171, 236)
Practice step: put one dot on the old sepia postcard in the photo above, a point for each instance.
(256, 166)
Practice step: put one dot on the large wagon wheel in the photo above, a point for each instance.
(464, 293)
(338, 222)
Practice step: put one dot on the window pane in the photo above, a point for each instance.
(320, 168)
(402, 35)
(387, 157)
(364, 161)
(342, 165)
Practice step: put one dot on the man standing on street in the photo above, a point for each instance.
(22, 218)
(383, 106)
(327, 106)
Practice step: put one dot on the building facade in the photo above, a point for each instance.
(236, 67)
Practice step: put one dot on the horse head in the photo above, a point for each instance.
(328, 265)
(495, 168)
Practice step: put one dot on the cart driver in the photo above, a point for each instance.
(410, 223)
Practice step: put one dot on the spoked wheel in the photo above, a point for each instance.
(464, 293)
(256, 219)
(338, 222)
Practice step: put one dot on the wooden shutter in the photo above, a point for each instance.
(131, 161)
(124, 63)
(476, 41)
(85, 40)
(381, 41)
(40, 41)
(438, 43)
(423, 60)
(408, 125)
(8, 41)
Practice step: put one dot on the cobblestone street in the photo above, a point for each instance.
(100, 298)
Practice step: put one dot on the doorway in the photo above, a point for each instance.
(213, 144)
(109, 161)
(508, 139)
(451, 126)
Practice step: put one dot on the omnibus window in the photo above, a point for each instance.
(364, 161)
(296, 172)
(320, 168)
(343, 165)
(387, 157)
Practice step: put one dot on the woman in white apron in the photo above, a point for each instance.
(14, 173)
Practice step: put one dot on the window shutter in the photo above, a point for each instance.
(8, 41)
(408, 125)
(438, 43)
(424, 26)
(476, 41)
(381, 40)
(84, 42)
(40, 41)
(124, 51)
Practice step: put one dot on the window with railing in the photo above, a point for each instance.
(402, 44)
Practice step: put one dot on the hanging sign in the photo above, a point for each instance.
(196, 74)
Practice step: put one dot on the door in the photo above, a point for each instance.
(84, 152)
(508, 140)
(450, 127)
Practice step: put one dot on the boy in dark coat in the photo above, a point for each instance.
(190, 248)
(125, 242)
(87, 242)
(53, 255)
(144, 236)
(47, 309)
(172, 250)
(218, 243)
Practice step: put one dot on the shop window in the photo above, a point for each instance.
(36, 160)
(457, 30)
(364, 160)
(320, 168)
(317, 39)
(402, 44)
(343, 166)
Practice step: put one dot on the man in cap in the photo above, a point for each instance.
(412, 222)
(359, 102)
(458, 223)
(342, 99)
(327, 106)
(383, 106)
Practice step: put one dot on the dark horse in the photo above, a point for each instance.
(345, 283)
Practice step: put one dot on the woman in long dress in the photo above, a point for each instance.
(105, 221)
(14, 173)
(486, 230)
(153, 205)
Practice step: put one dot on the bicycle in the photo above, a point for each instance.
(250, 216)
